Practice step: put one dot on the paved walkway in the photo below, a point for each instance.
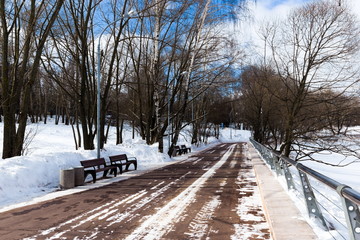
(281, 213)
(211, 195)
(214, 194)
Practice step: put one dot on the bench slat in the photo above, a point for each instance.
(97, 165)
(121, 160)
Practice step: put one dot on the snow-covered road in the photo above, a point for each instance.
(211, 195)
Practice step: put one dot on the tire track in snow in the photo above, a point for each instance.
(117, 218)
(93, 214)
(108, 212)
(155, 226)
(197, 160)
(200, 224)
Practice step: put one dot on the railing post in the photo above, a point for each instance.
(349, 197)
(262, 151)
(288, 177)
(277, 164)
(352, 214)
(270, 160)
(310, 200)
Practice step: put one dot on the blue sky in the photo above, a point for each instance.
(270, 4)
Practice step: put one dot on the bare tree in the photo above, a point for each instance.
(312, 51)
(150, 59)
(114, 66)
(24, 27)
(70, 62)
(260, 108)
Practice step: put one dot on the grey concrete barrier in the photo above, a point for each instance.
(79, 176)
(67, 178)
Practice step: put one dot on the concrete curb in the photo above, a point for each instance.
(282, 215)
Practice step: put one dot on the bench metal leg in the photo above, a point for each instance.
(114, 170)
(129, 163)
(120, 168)
(105, 173)
(93, 174)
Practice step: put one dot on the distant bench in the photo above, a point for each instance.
(185, 149)
(178, 150)
(96, 165)
(123, 160)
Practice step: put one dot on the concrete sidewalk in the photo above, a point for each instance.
(280, 211)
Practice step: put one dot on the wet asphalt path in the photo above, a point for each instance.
(211, 195)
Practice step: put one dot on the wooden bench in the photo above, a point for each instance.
(178, 150)
(96, 165)
(185, 149)
(123, 160)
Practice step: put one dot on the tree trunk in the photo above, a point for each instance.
(288, 139)
(119, 130)
(78, 130)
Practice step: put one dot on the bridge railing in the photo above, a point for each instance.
(320, 194)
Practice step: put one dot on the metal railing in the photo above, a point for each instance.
(311, 186)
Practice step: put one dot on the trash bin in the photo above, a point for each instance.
(67, 178)
(79, 176)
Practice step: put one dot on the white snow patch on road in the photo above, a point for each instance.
(223, 183)
(197, 160)
(157, 225)
(249, 209)
(233, 163)
(93, 213)
(200, 224)
(129, 213)
(108, 212)
(158, 185)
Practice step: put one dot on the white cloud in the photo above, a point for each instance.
(271, 10)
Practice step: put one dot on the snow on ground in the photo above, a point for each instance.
(252, 224)
(161, 222)
(348, 175)
(51, 148)
(328, 199)
(35, 176)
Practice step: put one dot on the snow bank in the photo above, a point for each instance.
(51, 148)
